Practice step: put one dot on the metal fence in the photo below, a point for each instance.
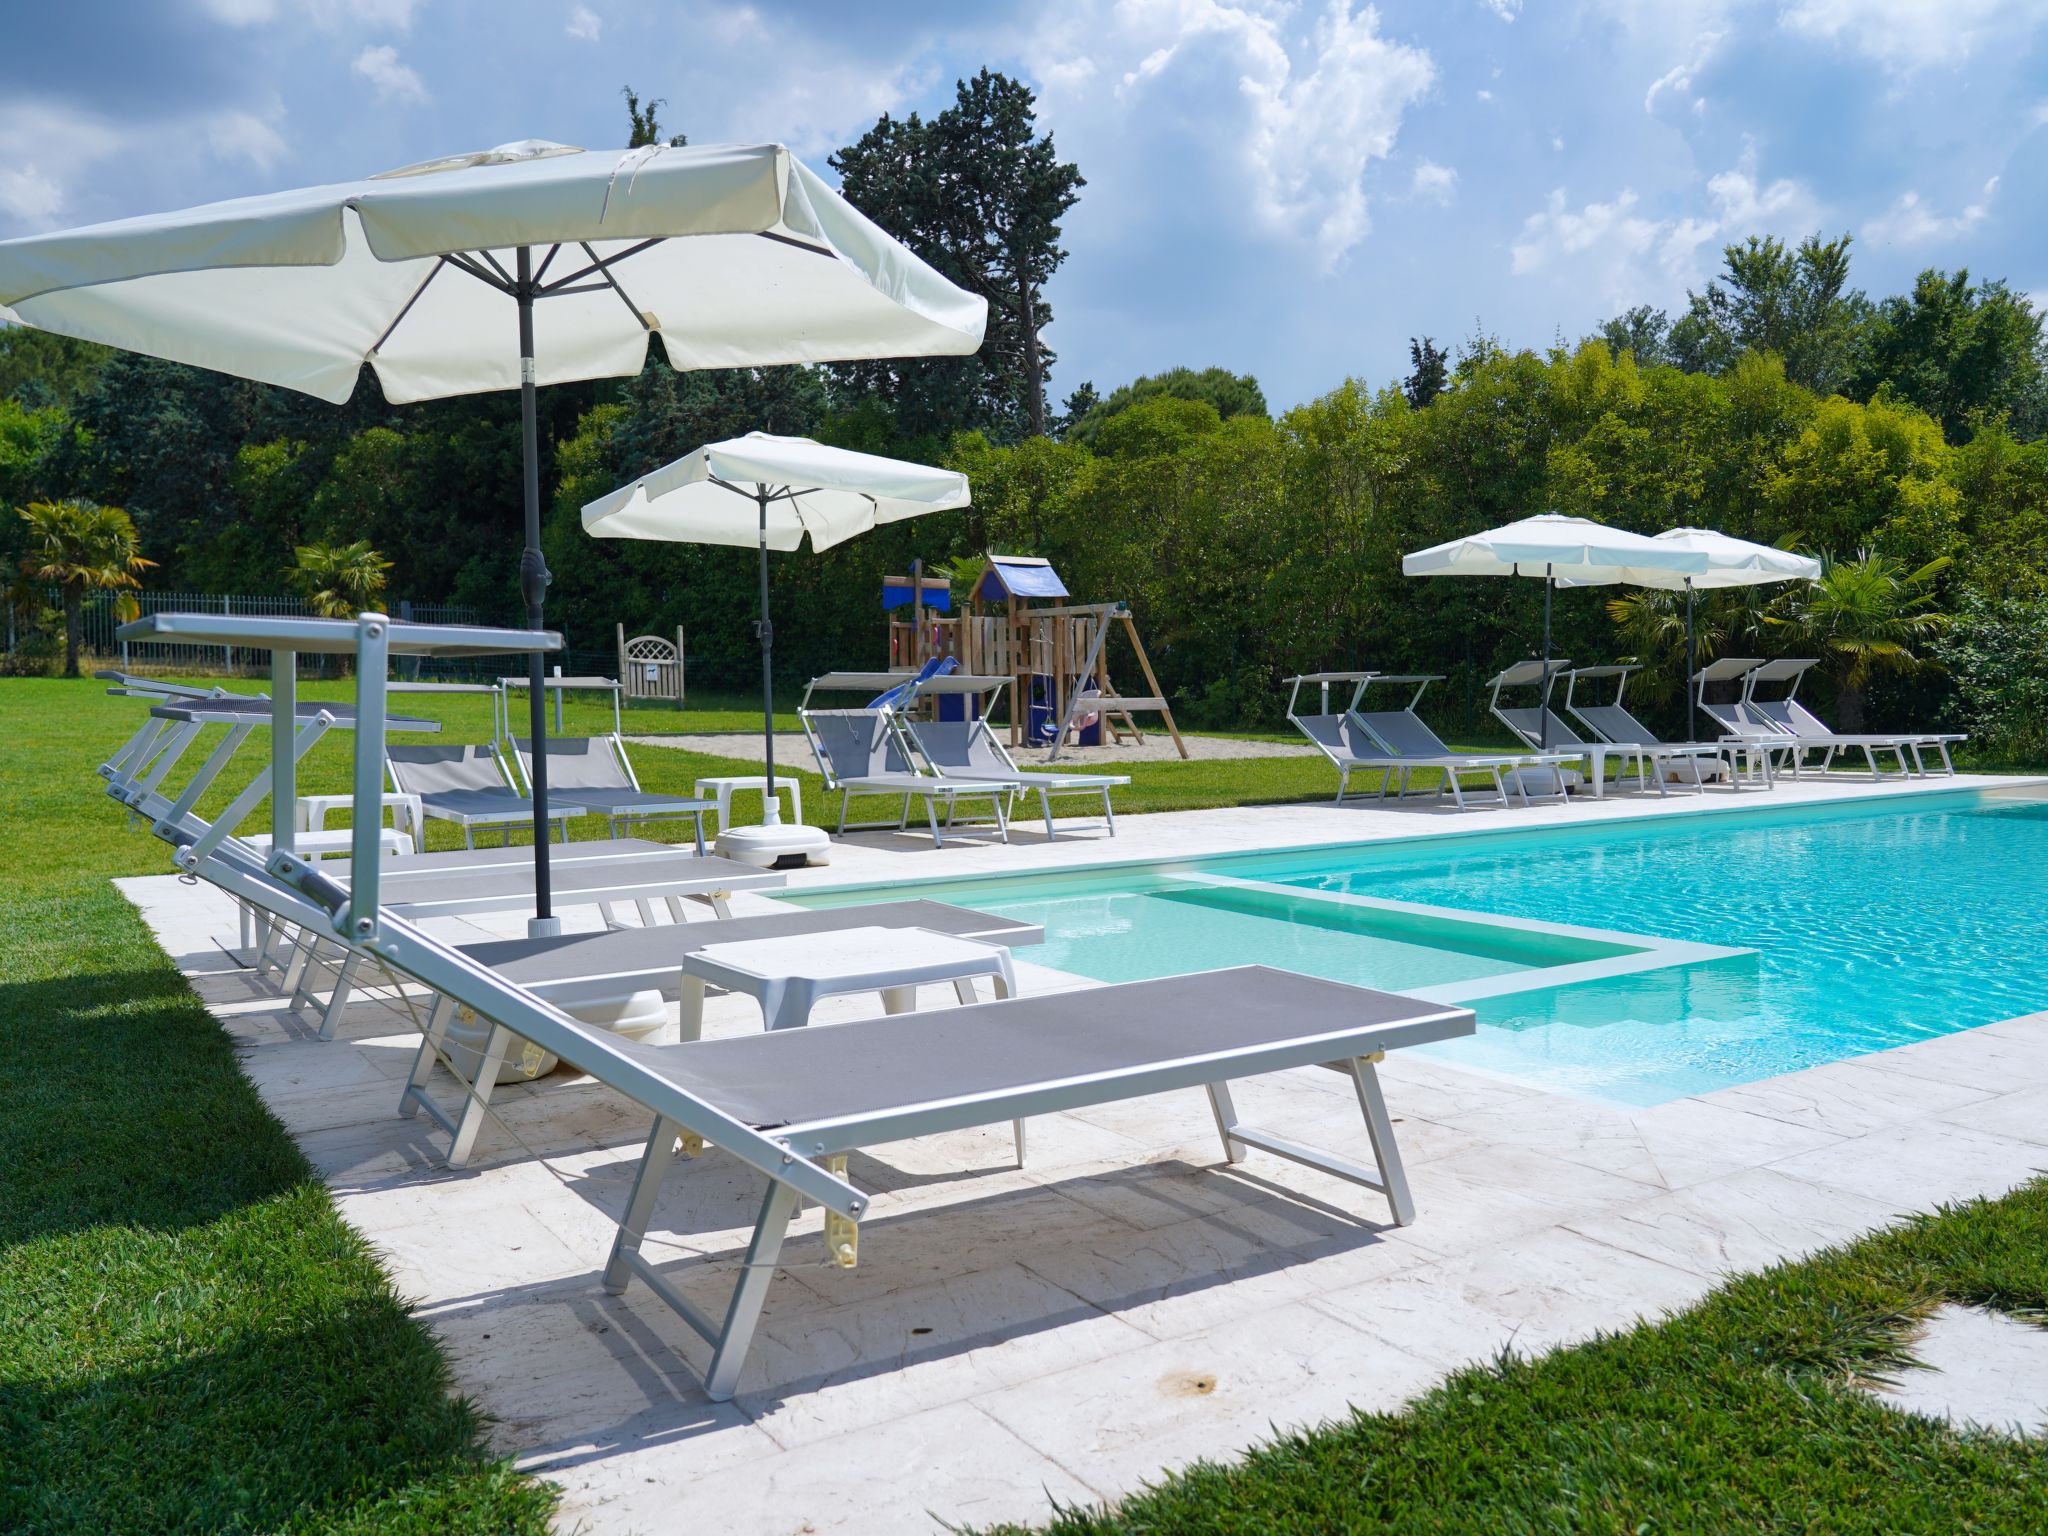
(101, 620)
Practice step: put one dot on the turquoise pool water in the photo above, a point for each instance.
(1871, 926)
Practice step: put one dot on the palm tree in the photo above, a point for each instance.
(81, 546)
(1863, 616)
(340, 580)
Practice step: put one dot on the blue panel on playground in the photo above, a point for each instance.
(1011, 576)
(938, 595)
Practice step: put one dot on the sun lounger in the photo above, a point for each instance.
(1397, 742)
(573, 970)
(1681, 762)
(1539, 725)
(968, 749)
(466, 784)
(1788, 715)
(595, 772)
(867, 751)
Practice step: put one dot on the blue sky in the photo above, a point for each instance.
(1291, 190)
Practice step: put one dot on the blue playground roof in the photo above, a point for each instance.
(938, 593)
(1010, 576)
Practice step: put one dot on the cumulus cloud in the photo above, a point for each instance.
(45, 147)
(389, 78)
(584, 24)
(246, 137)
(1909, 221)
(1506, 10)
(1317, 110)
(1675, 84)
(1624, 252)
(1905, 35)
(1437, 183)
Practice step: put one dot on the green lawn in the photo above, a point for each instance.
(191, 1340)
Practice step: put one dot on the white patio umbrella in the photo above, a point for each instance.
(434, 276)
(1556, 548)
(772, 492)
(1731, 562)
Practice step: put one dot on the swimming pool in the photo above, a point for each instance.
(1638, 961)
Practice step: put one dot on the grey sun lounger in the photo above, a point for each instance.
(1787, 714)
(466, 784)
(868, 752)
(790, 1104)
(1397, 742)
(968, 749)
(1617, 728)
(576, 969)
(595, 773)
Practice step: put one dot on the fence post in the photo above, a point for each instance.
(227, 606)
(558, 702)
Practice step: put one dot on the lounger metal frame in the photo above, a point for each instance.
(1027, 782)
(1794, 719)
(1656, 753)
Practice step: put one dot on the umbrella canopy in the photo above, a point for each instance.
(713, 496)
(1556, 548)
(772, 492)
(735, 255)
(526, 264)
(1572, 549)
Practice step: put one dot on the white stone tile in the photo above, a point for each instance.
(1118, 1424)
(1991, 1059)
(1847, 1098)
(1691, 1140)
(951, 1467)
(1549, 1288)
(2022, 1116)
(1917, 1166)
(1743, 1221)
(1982, 1369)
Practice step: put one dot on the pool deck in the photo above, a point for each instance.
(1128, 1302)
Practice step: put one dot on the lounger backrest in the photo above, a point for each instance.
(419, 770)
(1403, 733)
(1791, 716)
(1527, 723)
(1613, 723)
(1339, 736)
(961, 747)
(1731, 717)
(854, 743)
(576, 762)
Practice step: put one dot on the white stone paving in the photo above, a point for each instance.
(1127, 1303)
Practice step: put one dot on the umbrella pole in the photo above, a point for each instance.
(533, 586)
(1543, 719)
(1692, 708)
(764, 627)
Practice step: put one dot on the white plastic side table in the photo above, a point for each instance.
(722, 791)
(788, 976)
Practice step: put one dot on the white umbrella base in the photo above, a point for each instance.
(768, 845)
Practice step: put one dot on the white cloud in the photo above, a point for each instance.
(1676, 82)
(1316, 115)
(389, 78)
(2039, 115)
(1438, 183)
(584, 24)
(1484, 95)
(1506, 10)
(240, 13)
(246, 137)
(1909, 221)
(45, 148)
(1616, 248)
(1905, 35)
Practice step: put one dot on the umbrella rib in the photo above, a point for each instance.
(601, 263)
(398, 319)
(802, 245)
(546, 262)
(611, 282)
(497, 267)
(467, 263)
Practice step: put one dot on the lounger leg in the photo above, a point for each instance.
(749, 1295)
(1003, 820)
(295, 968)
(475, 1106)
(1343, 780)
(1379, 1128)
(337, 1000)
(903, 820)
(691, 1026)
(646, 912)
(1045, 805)
(698, 817)
(1005, 986)
(1108, 815)
(661, 1151)
(931, 813)
(424, 1058)
(1226, 1120)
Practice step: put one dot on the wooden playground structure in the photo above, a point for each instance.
(1055, 652)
